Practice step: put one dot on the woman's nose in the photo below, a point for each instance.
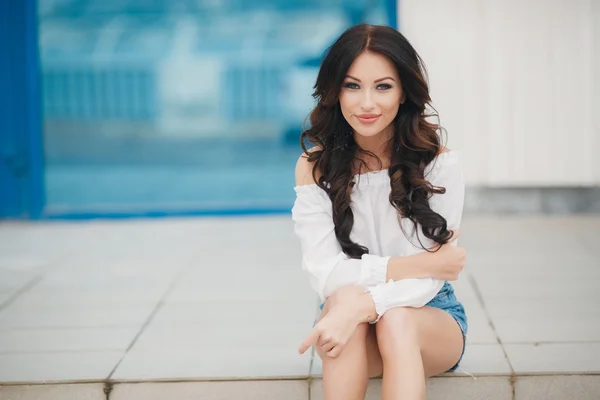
(367, 102)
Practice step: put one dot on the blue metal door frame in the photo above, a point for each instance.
(21, 149)
(22, 191)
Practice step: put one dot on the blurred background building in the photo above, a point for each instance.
(184, 106)
(140, 107)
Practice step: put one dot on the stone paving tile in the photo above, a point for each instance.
(257, 390)
(580, 387)
(75, 316)
(87, 391)
(57, 366)
(541, 328)
(66, 339)
(555, 358)
(210, 362)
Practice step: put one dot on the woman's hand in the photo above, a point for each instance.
(449, 260)
(331, 333)
(342, 313)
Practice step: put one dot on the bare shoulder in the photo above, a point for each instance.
(304, 170)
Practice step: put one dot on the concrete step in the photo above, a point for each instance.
(543, 387)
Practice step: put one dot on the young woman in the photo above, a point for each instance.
(378, 205)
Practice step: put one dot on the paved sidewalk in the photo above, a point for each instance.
(123, 306)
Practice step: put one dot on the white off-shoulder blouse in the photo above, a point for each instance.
(376, 226)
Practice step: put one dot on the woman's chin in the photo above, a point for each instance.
(368, 132)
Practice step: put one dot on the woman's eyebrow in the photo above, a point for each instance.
(378, 80)
(383, 79)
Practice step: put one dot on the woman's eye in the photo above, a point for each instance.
(382, 86)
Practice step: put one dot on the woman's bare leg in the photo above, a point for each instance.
(346, 376)
(373, 355)
(398, 339)
(416, 343)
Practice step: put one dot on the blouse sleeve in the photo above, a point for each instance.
(327, 266)
(447, 172)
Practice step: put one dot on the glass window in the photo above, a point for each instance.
(181, 104)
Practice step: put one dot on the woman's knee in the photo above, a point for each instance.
(358, 340)
(397, 327)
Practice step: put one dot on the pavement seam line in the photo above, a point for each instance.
(22, 290)
(159, 305)
(479, 296)
(108, 387)
(513, 385)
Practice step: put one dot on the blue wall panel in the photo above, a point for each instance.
(21, 158)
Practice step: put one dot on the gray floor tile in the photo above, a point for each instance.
(12, 279)
(580, 387)
(40, 340)
(541, 328)
(232, 313)
(479, 329)
(75, 316)
(463, 289)
(288, 333)
(84, 277)
(59, 366)
(527, 271)
(261, 390)
(21, 262)
(5, 295)
(555, 307)
(528, 247)
(483, 359)
(87, 391)
(210, 362)
(554, 357)
(217, 295)
(467, 388)
(548, 287)
(283, 282)
(97, 297)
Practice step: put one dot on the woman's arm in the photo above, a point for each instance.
(327, 266)
(420, 265)
(446, 263)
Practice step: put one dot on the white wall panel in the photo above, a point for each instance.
(514, 83)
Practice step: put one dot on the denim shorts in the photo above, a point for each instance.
(446, 300)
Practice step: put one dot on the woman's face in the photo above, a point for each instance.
(371, 94)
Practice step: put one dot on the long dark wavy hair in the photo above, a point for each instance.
(414, 145)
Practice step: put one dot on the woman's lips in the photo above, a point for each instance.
(368, 119)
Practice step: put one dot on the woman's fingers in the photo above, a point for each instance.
(312, 337)
(323, 339)
(328, 347)
(334, 351)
